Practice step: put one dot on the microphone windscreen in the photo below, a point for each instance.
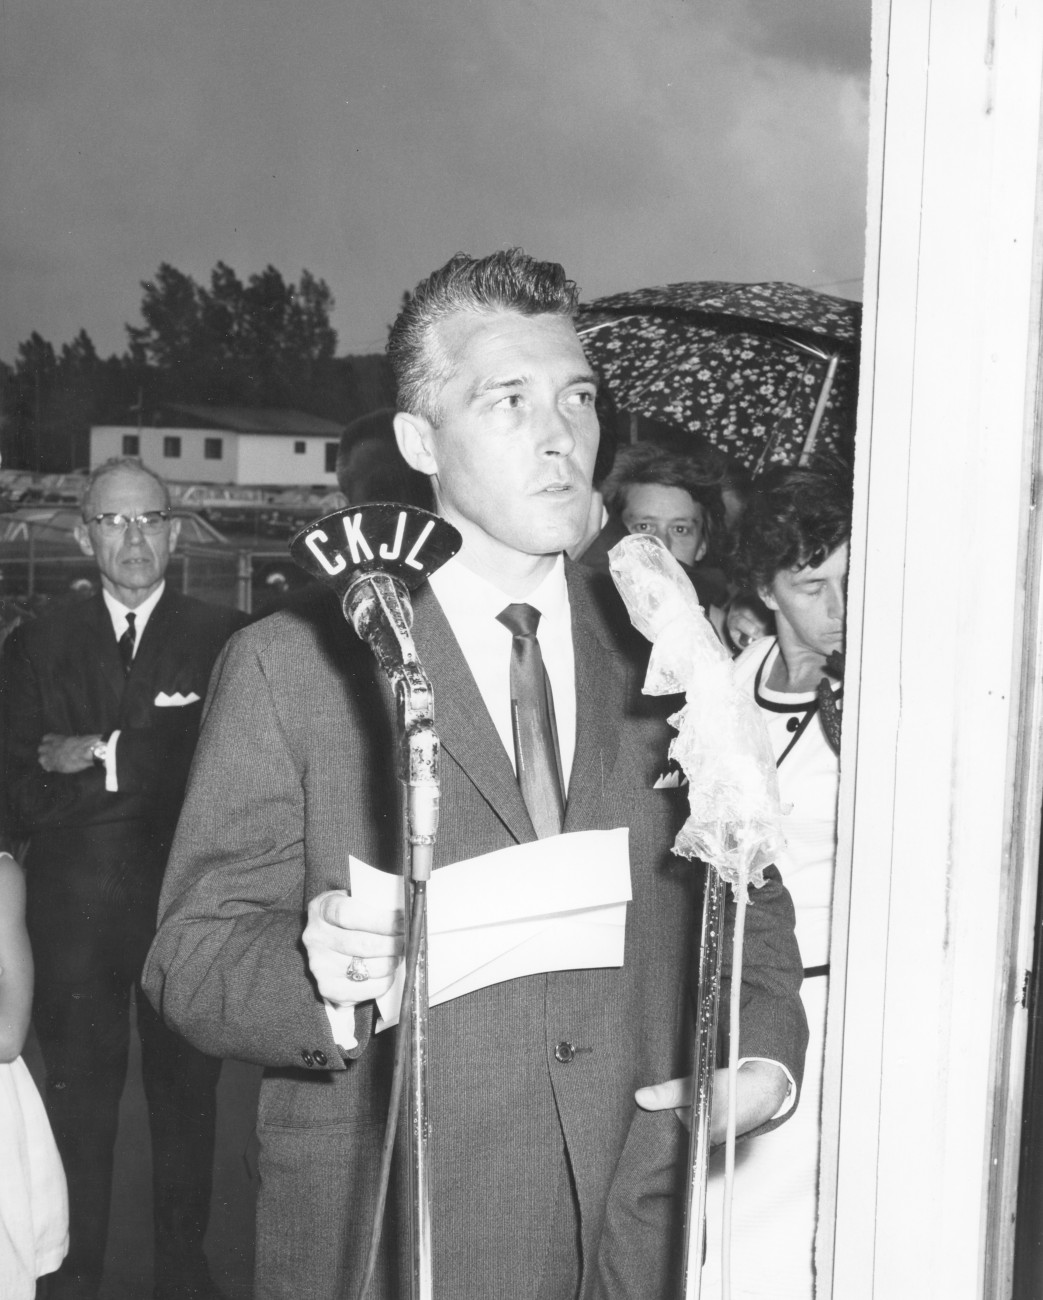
(381, 537)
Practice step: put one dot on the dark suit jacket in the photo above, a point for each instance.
(295, 769)
(91, 851)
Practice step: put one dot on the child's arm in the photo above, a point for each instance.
(16, 961)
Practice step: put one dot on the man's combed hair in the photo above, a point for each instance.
(509, 280)
(794, 519)
(112, 466)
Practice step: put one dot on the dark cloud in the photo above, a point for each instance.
(635, 143)
(828, 34)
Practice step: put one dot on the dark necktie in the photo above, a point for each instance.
(126, 644)
(532, 717)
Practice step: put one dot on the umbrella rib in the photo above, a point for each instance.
(733, 324)
(810, 348)
(615, 320)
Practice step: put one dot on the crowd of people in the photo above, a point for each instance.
(184, 792)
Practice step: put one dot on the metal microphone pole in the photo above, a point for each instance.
(373, 555)
(711, 950)
(376, 605)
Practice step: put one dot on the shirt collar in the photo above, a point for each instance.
(118, 611)
(465, 595)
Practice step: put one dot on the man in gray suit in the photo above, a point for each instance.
(538, 1153)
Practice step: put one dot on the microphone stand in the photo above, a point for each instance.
(711, 951)
(375, 604)
(373, 555)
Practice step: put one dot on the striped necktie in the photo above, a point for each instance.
(532, 717)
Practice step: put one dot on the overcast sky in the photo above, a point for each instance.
(636, 141)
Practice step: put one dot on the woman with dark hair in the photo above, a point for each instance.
(792, 551)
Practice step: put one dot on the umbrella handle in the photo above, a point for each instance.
(820, 410)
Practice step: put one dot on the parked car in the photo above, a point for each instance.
(15, 485)
(289, 512)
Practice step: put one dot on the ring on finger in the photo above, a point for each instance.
(358, 971)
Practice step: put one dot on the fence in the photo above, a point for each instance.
(249, 578)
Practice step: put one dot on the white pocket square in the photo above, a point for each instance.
(175, 701)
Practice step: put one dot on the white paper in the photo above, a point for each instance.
(554, 904)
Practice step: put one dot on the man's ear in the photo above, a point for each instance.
(766, 595)
(175, 531)
(82, 535)
(414, 437)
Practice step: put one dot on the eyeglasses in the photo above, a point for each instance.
(152, 521)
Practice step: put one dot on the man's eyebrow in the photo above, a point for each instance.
(495, 382)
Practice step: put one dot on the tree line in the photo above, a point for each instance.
(262, 342)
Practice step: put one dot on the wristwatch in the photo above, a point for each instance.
(100, 751)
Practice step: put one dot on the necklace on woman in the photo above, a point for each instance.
(795, 725)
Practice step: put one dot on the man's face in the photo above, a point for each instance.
(670, 514)
(513, 452)
(131, 564)
(809, 604)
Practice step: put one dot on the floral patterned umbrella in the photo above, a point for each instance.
(766, 372)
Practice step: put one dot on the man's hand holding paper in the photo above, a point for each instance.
(353, 946)
(554, 904)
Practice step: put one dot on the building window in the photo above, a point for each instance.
(212, 449)
(131, 444)
(299, 448)
(331, 457)
(171, 448)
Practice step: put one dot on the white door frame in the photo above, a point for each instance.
(939, 823)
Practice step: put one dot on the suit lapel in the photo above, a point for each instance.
(155, 639)
(99, 627)
(462, 721)
(600, 706)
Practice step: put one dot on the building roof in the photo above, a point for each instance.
(247, 419)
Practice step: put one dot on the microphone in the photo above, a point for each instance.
(373, 556)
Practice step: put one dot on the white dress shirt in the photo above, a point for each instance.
(471, 605)
(118, 614)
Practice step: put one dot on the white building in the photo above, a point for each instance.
(227, 444)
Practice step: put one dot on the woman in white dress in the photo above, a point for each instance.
(793, 551)
(34, 1212)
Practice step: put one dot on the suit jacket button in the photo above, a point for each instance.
(564, 1052)
(307, 1057)
(319, 1058)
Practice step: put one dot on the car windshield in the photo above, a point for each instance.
(196, 531)
(45, 527)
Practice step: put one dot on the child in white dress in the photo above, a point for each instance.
(34, 1211)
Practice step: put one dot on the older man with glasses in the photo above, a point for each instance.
(101, 705)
